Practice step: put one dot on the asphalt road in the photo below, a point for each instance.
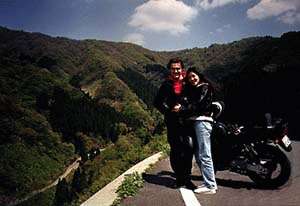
(234, 189)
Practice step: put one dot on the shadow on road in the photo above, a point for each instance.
(159, 179)
(237, 184)
(167, 179)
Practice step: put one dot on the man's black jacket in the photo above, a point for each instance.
(166, 99)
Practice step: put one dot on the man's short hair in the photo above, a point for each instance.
(175, 60)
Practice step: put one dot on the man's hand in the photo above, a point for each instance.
(176, 108)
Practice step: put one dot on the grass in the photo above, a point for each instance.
(129, 187)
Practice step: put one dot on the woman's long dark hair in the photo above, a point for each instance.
(203, 78)
(200, 75)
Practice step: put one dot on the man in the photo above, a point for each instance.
(167, 101)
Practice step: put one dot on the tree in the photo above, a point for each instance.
(62, 194)
(75, 186)
(47, 62)
(42, 101)
(80, 181)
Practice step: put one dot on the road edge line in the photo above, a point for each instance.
(107, 195)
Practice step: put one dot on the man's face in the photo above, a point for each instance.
(176, 70)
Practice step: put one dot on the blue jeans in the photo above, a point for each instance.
(203, 152)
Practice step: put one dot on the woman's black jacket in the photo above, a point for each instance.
(197, 100)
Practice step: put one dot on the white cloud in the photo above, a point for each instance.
(227, 26)
(214, 15)
(211, 4)
(171, 16)
(287, 11)
(135, 38)
(268, 8)
(291, 17)
(223, 28)
(89, 1)
(219, 30)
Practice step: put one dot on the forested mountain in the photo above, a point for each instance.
(60, 98)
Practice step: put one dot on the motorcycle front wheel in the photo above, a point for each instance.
(276, 165)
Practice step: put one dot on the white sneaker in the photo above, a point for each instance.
(205, 190)
(202, 185)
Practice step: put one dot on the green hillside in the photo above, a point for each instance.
(73, 97)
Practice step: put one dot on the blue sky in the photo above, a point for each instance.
(154, 24)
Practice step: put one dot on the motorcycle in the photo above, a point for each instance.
(254, 151)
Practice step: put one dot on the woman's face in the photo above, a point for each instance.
(193, 79)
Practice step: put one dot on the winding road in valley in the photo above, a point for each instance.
(69, 169)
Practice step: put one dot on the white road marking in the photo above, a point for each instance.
(189, 197)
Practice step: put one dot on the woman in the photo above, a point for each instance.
(199, 98)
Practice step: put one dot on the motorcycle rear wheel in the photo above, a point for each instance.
(278, 164)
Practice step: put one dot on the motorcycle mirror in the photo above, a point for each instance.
(268, 117)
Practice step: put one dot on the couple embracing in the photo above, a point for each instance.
(185, 101)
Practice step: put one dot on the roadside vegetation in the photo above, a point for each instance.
(129, 187)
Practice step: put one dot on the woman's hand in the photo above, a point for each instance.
(176, 108)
